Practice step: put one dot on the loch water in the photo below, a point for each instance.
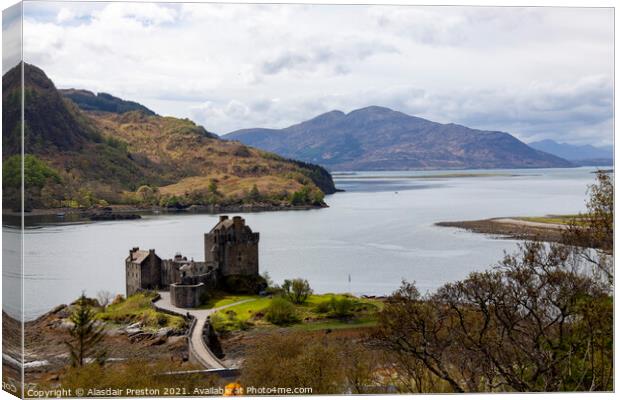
(376, 233)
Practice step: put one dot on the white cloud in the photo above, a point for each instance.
(65, 15)
(11, 37)
(534, 72)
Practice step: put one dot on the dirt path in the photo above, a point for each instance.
(201, 351)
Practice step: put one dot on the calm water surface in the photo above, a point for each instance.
(378, 232)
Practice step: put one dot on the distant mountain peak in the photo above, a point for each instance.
(330, 115)
(372, 109)
(379, 138)
(574, 152)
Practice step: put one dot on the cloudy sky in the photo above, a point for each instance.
(534, 72)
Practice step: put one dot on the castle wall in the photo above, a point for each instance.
(187, 296)
(240, 259)
(132, 278)
(209, 279)
(169, 273)
(232, 247)
(151, 272)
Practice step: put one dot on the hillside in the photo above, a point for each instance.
(578, 154)
(377, 138)
(195, 160)
(89, 101)
(78, 158)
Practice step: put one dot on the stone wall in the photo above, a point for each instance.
(151, 272)
(132, 278)
(186, 296)
(240, 259)
(232, 247)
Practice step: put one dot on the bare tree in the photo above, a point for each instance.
(592, 234)
(527, 325)
(104, 298)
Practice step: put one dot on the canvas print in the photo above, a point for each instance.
(301, 199)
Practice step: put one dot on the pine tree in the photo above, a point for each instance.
(85, 333)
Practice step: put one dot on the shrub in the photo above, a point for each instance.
(341, 308)
(294, 360)
(297, 290)
(281, 312)
(323, 307)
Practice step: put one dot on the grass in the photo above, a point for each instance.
(554, 219)
(139, 308)
(222, 299)
(312, 315)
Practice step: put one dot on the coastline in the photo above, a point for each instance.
(86, 213)
(510, 228)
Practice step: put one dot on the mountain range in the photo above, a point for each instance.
(378, 138)
(84, 149)
(578, 154)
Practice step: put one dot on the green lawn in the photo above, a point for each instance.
(221, 299)
(310, 314)
(139, 308)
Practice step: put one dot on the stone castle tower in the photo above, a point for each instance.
(232, 247)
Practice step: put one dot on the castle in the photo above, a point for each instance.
(231, 250)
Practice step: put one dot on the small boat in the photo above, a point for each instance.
(60, 214)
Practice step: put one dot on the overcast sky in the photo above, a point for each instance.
(534, 72)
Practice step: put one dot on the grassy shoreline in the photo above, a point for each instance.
(547, 228)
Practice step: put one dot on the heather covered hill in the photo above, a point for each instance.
(377, 138)
(81, 158)
(196, 160)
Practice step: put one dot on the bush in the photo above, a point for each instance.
(297, 290)
(341, 308)
(323, 307)
(294, 360)
(281, 312)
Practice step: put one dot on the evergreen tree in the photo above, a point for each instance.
(85, 333)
